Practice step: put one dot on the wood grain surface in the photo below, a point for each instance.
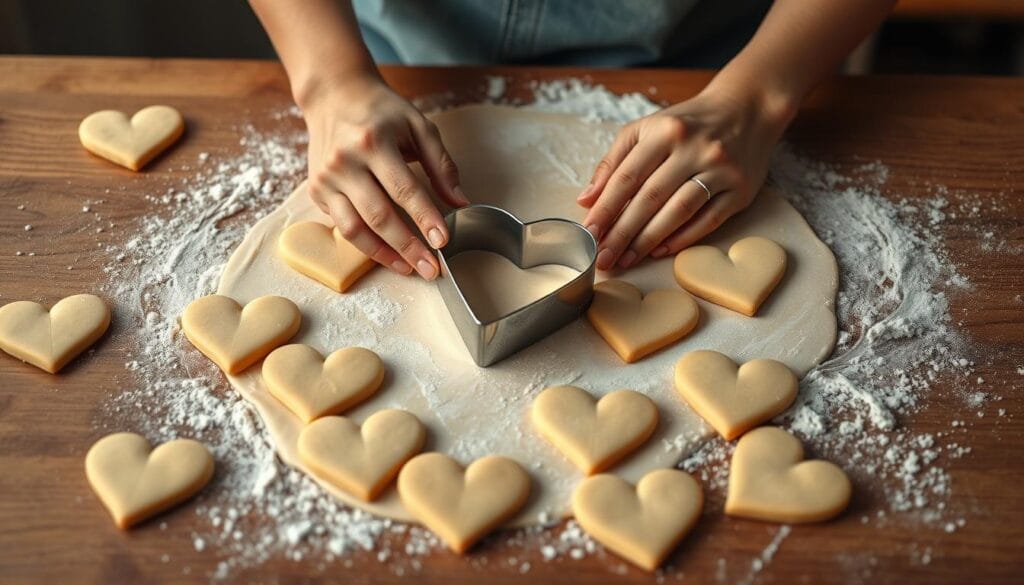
(964, 133)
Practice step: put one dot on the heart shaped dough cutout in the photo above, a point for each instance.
(461, 506)
(636, 325)
(321, 253)
(594, 434)
(361, 461)
(734, 399)
(644, 524)
(769, 480)
(135, 481)
(131, 142)
(235, 337)
(740, 281)
(51, 339)
(312, 387)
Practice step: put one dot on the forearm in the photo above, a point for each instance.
(318, 42)
(799, 43)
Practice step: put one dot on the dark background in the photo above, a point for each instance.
(923, 36)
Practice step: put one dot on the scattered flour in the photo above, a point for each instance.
(896, 341)
(593, 103)
(759, 563)
(496, 86)
(893, 308)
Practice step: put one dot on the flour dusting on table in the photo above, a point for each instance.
(897, 339)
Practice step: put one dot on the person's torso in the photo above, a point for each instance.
(612, 33)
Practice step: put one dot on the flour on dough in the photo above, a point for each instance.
(471, 412)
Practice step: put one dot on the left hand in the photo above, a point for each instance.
(641, 199)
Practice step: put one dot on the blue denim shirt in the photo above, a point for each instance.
(595, 33)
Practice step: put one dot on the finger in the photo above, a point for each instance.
(406, 189)
(354, 230)
(318, 195)
(623, 184)
(650, 198)
(438, 164)
(680, 208)
(624, 142)
(380, 215)
(705, 221)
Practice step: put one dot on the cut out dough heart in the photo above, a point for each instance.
(135, 481)
(321, 253)
(635, 325)
(740, 281)
(361, 461)
(51, 339)
(644, 524)
(461, 506)
(734, 399)
(235, 337)
(131, 142)
(594, 434)
(312, 387)
(770, 481)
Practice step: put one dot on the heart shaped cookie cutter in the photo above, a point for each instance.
(546, 241)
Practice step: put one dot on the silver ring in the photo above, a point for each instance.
(702, 185)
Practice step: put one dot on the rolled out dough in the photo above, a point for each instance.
(482, 276)
(532, 164)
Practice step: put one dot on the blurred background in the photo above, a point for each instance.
(982, 37)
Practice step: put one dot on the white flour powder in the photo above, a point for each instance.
(897, 339)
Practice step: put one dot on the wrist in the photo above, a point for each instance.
(774, 105)
(309, 91)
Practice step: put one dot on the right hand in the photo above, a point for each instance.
(362, 135)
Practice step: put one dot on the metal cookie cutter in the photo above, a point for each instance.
(547, 241)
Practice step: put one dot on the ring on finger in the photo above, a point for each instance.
(703, 185)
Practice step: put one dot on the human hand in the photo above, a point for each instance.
(642, 199)
(362, 136)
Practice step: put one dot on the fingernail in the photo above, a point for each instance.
(436, 238)
(460, 196)
(401, 267)
(583, 195)
(627, 259)
(660, 251)
(426, 269)
(594, 231)
(604, 259)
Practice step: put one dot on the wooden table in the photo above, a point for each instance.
(965, 133)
